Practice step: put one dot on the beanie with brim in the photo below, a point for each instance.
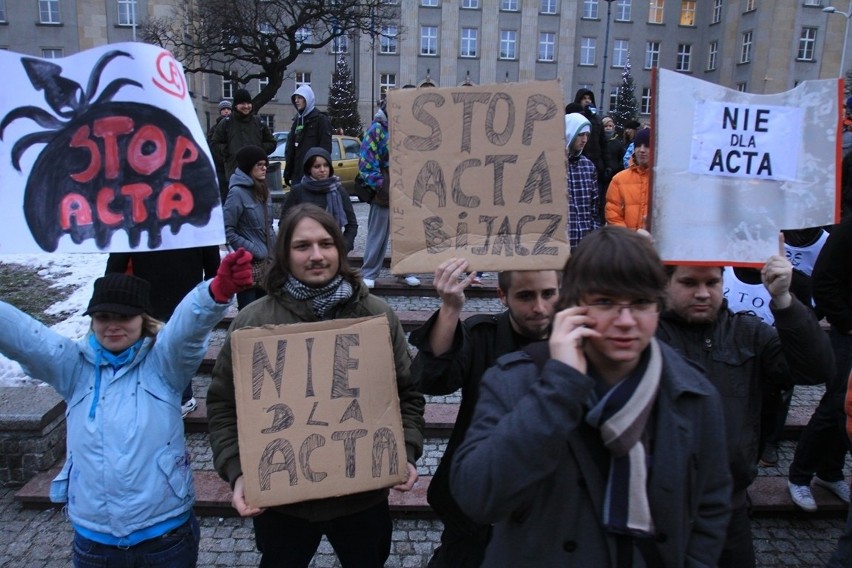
(120, 293)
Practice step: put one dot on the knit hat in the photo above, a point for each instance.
(120, 293)
(224, 103)
(242, 96)
(248, 156)
(643, 138)
(317, 151)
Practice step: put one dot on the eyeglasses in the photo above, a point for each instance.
(263, 165)
(610, 309)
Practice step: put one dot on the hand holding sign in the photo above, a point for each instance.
(777, 274)
(412, 479)
(238, 500)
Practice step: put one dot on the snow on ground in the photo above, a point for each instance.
(76, 270)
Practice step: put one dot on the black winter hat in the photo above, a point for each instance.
(248, 156)
(241, 96)
(120, 293)
(643, 138)
(317, 151)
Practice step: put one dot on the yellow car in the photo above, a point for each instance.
(344, 160)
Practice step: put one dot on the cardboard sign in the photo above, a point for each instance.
(732, 169)
(478, 172)
(103, 152)
(317, 410)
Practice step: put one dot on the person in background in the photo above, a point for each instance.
(600, 447)
(248, 214)
(630, 130)
(628, 195)
(127, 478)
(614, 147)
(171, 275)
(311, 281)
(225, 108)
(311, 129)
(242, 129)
(321, 187)
(584, 209)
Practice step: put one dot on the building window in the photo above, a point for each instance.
(51, 53)
(687, 12)
(655, 12)
(813, 2)
(645, 101)
(742, 87)
(429, 3)
(48, 11)
(590, 9)
(268, 120)
(509, 5)
(469, 39)
(262, 83)
(745, 48)
(387, 40)
(508, 44)
(428, 40)
(749, 6)
(652, 54)
(807, 44)
(620, 49)
(303, 35)
(387, 81)
(126, 12)
(613, 98)
(623, 10)
(712, 53)
(2, 10)
(340, 44)
(470, 4)
(546, 46)
(227, 89)
(684, 55)
(302, 79)
(587, 51)
(717, 12)
(548, 7)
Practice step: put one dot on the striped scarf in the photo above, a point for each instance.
(322, 299)
(622, 416)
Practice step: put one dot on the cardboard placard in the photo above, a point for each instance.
(317, 410)
(478, 172)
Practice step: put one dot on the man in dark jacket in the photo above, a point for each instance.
(602, 446)
(454, 355)
(596, 148)
(742, 356)
(311, 128)
(225, 109)
(240, 130)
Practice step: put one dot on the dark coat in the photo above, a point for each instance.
(742, 356)
(831, 280)
(532, 466)
(299, 193)
(316, 132)
(236, 132)
(597, 148)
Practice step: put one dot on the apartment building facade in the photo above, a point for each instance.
(758, 46)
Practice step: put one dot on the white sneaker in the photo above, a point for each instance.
(369, 283)
(839, 488)
(411, 280)
(802, 496)
(188, 407)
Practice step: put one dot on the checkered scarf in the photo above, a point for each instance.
(622, 416)
(322, 299)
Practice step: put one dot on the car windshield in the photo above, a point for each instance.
(278, 152)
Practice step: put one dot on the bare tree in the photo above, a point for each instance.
(241, 40)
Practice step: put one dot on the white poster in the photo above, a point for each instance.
(102, 151)
(731, 169)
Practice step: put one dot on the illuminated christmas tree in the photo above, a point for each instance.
(342, 102)
(626, 108)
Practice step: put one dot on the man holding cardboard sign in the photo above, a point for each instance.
(300, 414)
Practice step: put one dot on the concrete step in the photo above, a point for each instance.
(769, 497)
(440, 419)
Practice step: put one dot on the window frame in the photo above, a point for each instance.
(126, 9)
(299, 78)
(465, 43)
(49, 12)
(712, 55)
(716, 15)
(387, 81)
(683, 61)
(687, 13)
(389, 40)
(588, 46)
(428, 43)
(339, 44)
(645, 101)
(591, 10)
(746, 43)
(623, 10)
(227, 89)
(548, 7)
(622, 47)
(546, 48)
(509, 6)
(52, 53)
(656, 11)
(470, 5)
(506, 42)
(652, 56)
(806, 45)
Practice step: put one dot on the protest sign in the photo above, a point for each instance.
(317, 410)
(102, 152)
(731, 169)
(478, 172)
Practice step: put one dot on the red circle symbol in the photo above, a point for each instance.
(169, 77)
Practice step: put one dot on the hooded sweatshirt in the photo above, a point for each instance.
(596, 147)
(584, 209)
(311, 128)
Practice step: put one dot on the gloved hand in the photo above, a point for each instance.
(234, 275)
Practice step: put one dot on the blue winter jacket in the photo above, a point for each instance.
(127, 468)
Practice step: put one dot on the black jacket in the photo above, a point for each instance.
(831, 280)
(597, 148)
(301, 194)
(316, 132)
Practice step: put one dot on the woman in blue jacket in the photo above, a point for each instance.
(127, 479)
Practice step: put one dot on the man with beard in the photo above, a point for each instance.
(454, 355)
(742, 356)
(311, 281)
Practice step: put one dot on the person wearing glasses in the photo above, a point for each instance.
(600, 446)
(742, 357)
(248, 215)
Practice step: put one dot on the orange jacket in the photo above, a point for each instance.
(627, 198)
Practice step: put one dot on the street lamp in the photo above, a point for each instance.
(847, 14)
(606, 51)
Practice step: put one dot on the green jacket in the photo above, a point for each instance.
(279, 308)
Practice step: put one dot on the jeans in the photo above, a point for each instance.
(378, 235)
(822, 446)
(177, 548)
(842, 557)
(360, 540)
